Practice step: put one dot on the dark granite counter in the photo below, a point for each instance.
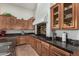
(62, 45)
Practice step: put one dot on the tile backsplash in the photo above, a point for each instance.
(72, 34)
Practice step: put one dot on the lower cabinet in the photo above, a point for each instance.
(32, 43)
(20, 40)
(27, 39)
(35, 44)
(45, 49)
(39, 47)
(54, 51)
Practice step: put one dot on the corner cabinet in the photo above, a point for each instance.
(65, 16)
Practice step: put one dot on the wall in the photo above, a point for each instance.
(72, 34)
(43, 9)
(48, 27)
(19, 12)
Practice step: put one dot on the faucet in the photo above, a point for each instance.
(66, 37)
(54, 35)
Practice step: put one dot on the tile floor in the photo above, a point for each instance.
(25, 50)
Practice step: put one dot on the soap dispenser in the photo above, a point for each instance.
(64, 37)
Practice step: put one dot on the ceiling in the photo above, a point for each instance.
(30, 6)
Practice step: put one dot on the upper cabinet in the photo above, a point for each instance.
(55, 16)
(65, 16)
(68, 16)
(30, 23)
(6, 22)
(12, 23)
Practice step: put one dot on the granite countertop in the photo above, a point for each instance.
(62, 45)
(59, 44)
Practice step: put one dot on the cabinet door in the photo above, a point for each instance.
(7, 22)
(3, 21)
(45, 49)
(58, 52)
(25, 24)
(52, 52)
(68, 16)
(17, 40)
(55, 16)
(21, 40)
(12, 22)
(0, 22)
(35, 44)
(27, 38)
(31, 41)
(30, 24)
(39, 47)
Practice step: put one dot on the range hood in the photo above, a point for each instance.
(40, 20)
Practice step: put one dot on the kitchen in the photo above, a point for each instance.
(39, 29)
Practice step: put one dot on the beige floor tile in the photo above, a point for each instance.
(25, 50)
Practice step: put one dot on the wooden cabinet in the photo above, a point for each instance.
(25, 27)
(30, 23)
(3, 22)
(68, 17)
(20, 40)
(6, 22)
(54, 51)
(15, 24)
(65, 16)
(55, 16)
(39, 47)
(27, 39)
(35, 44)
(31, 41)
(45, 49)
(11, 22)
